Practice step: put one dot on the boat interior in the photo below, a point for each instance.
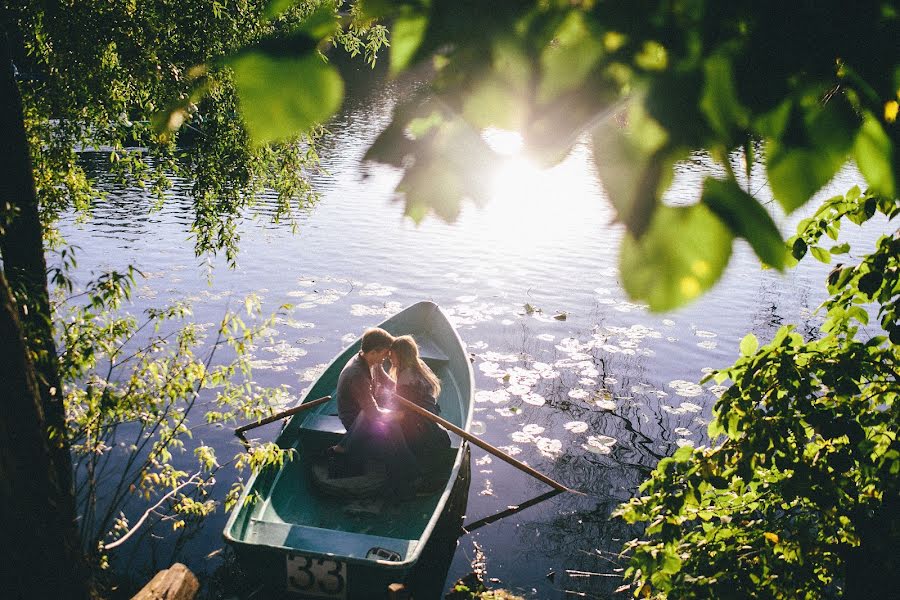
(288, 509)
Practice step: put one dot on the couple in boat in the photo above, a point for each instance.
(377, 426)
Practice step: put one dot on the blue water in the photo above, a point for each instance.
(593, 399)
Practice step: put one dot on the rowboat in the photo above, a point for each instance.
(301, 539)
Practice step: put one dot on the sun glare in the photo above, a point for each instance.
(503, 141)
(531, 206)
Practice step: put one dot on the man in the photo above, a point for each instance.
(363, 379)
(371, 429)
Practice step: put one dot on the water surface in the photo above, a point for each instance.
(588, 387)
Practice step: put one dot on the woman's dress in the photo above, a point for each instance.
(425, 438)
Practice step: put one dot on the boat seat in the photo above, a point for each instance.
(324, 424)
(430, 351)
(302, 538)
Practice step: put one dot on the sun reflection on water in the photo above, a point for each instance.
(533, 207)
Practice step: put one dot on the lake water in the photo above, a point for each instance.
(593, 400)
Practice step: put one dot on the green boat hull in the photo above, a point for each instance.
(297, 539)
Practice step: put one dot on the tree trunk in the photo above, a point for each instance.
(42, 556)
(22, 250)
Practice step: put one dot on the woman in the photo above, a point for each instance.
(417, 383)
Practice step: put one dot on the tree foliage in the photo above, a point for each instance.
(139, 396)
(152, 85)
(801, 498)
(648, 83)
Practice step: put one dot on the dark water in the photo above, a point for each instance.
(593, 400)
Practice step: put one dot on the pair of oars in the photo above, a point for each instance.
(431, 417)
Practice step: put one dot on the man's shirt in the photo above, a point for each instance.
(357, 388)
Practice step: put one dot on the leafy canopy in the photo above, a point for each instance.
(649, 83)
(152, 86)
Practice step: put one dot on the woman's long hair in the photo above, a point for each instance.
(408, 357)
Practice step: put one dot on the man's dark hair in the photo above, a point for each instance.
(376, 338)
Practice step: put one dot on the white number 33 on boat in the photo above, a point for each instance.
(316, 577)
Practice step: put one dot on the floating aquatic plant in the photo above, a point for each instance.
(312, 373)
(599, 444)
(549, 447)
(576, 426)
(377, 289)
(686, 389)
(578, 394)
(534, 399)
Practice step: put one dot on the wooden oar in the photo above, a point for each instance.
(285, 413)
(481, 444)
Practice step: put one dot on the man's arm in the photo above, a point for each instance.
(361, 391)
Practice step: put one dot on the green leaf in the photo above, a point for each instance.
(495, 103)
(875, 156)
(407, 34)
(671, 563)
(749, 345)
(858, 313)
(870, 283)
(276, 7)
(565, 63)
(322, 23)
(797, 173)
(820, 254)
(632, 170)
(451, 169)
(715, 429)
(682, 254)
(799, 248)
(283, 94)
(683, 454)
(420, 127)
(815, 144)
(394, 144)
(652, 57)
(839, 277)
(746, 218)
(719, 101)
(840, 249)
(771, 125)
